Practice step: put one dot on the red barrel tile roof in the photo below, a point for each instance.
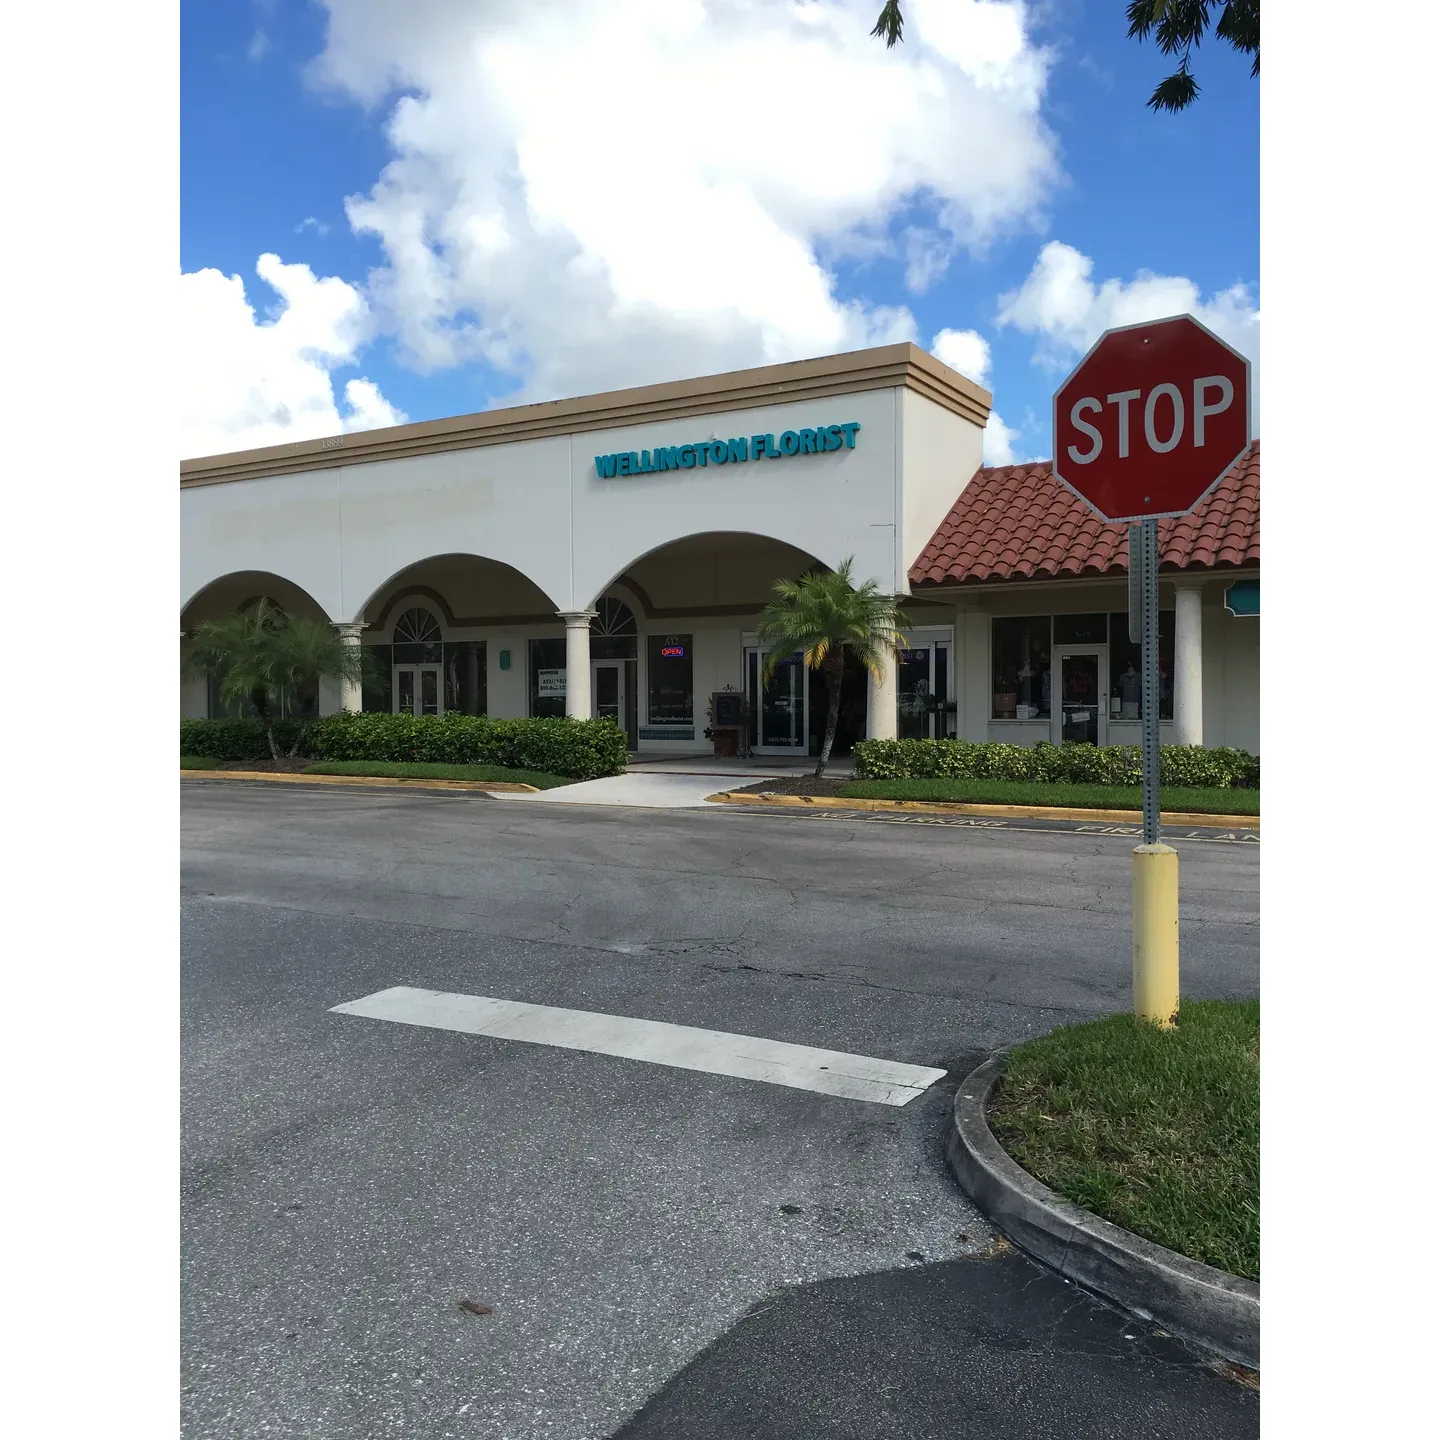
(1017, 522)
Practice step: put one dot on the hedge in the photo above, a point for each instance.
(576, 749)
(1184, 765)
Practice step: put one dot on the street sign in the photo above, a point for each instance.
(1151, 418)
(1243, 597)
(1146, 425)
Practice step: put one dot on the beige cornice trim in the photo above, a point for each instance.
(883, 368)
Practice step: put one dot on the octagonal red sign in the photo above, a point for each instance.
(1151, 419)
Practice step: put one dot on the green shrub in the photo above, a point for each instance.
(1191, 766)
(238, 739)
(576, 749)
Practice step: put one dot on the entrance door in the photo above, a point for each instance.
(1080, 717)
(415, 690)
(777, 710)
(922, 687)
(607, 690)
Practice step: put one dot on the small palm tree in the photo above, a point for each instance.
(822, 615)
(261, 654)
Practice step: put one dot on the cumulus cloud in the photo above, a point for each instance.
(1062, 306)
(251, 382)
(594, 193)
(968, 352)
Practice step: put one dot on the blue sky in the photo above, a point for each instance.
(286, 114)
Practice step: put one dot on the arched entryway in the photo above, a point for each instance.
(450, 633)
(233, 594)
(697, 602)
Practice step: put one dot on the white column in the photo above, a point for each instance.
(883, 700)
(1189, 676)
(577, 662)
(350, 689)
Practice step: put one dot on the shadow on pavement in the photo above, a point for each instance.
(993, 1348)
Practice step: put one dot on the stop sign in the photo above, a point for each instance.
(1151, 419)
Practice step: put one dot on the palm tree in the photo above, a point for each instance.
(1178, 26)
(261, 654)
(822, 615)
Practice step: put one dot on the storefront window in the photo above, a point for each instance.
(1125, 669)
(547, 678)
(672, 679)
(613, 632)
(375, 692)
(1020, 666)
(465, 677)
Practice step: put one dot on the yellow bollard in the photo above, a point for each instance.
(1155, 911)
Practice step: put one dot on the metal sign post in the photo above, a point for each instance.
(1145, 427)
(1149, 568)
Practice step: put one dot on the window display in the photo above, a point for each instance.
(1020, 665)
(671, 667)
(1125, 698)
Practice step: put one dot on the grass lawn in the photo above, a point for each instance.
(1156, 1131)
(1079, 797)
(400, 770)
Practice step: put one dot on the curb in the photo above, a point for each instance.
(1009, 812)
(504, 786)
(1206, 1306)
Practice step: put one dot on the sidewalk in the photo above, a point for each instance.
(675, 782)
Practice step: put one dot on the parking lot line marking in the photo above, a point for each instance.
(684, 1047)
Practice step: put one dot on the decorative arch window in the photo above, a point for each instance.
(613, 631)
(417, 639)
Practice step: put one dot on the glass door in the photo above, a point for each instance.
(415, 690)
(922, 688)
(607, 690)
(777, 710)
(1080, 718)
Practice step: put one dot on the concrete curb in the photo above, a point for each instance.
(1007, 812)
(1206, 1306)
(504, 786)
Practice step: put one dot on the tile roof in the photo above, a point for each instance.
(1017, 522)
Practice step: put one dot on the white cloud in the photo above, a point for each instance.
(997, 444)
(595, 193)
(311, 223)
(968, 352)
(259, 45)
(252, 382)
(1067, 311)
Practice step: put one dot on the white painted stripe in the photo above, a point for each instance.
(747, 1057)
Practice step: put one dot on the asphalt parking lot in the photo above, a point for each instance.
(639, 1249)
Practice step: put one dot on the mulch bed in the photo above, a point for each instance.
(793, 785)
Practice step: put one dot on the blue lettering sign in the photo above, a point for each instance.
(738, 449)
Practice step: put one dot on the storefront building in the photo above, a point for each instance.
(611, 556)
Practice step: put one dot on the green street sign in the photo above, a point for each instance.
(1243, 598)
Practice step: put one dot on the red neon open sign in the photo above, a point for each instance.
(672, 652)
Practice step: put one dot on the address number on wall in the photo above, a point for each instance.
(332, 444)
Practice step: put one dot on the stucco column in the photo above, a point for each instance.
(883, 700)
(350, 689)
(1189, 673)
(577, 662)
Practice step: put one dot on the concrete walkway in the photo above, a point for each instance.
(677, 782)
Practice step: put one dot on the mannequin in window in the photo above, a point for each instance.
(1130, 692)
